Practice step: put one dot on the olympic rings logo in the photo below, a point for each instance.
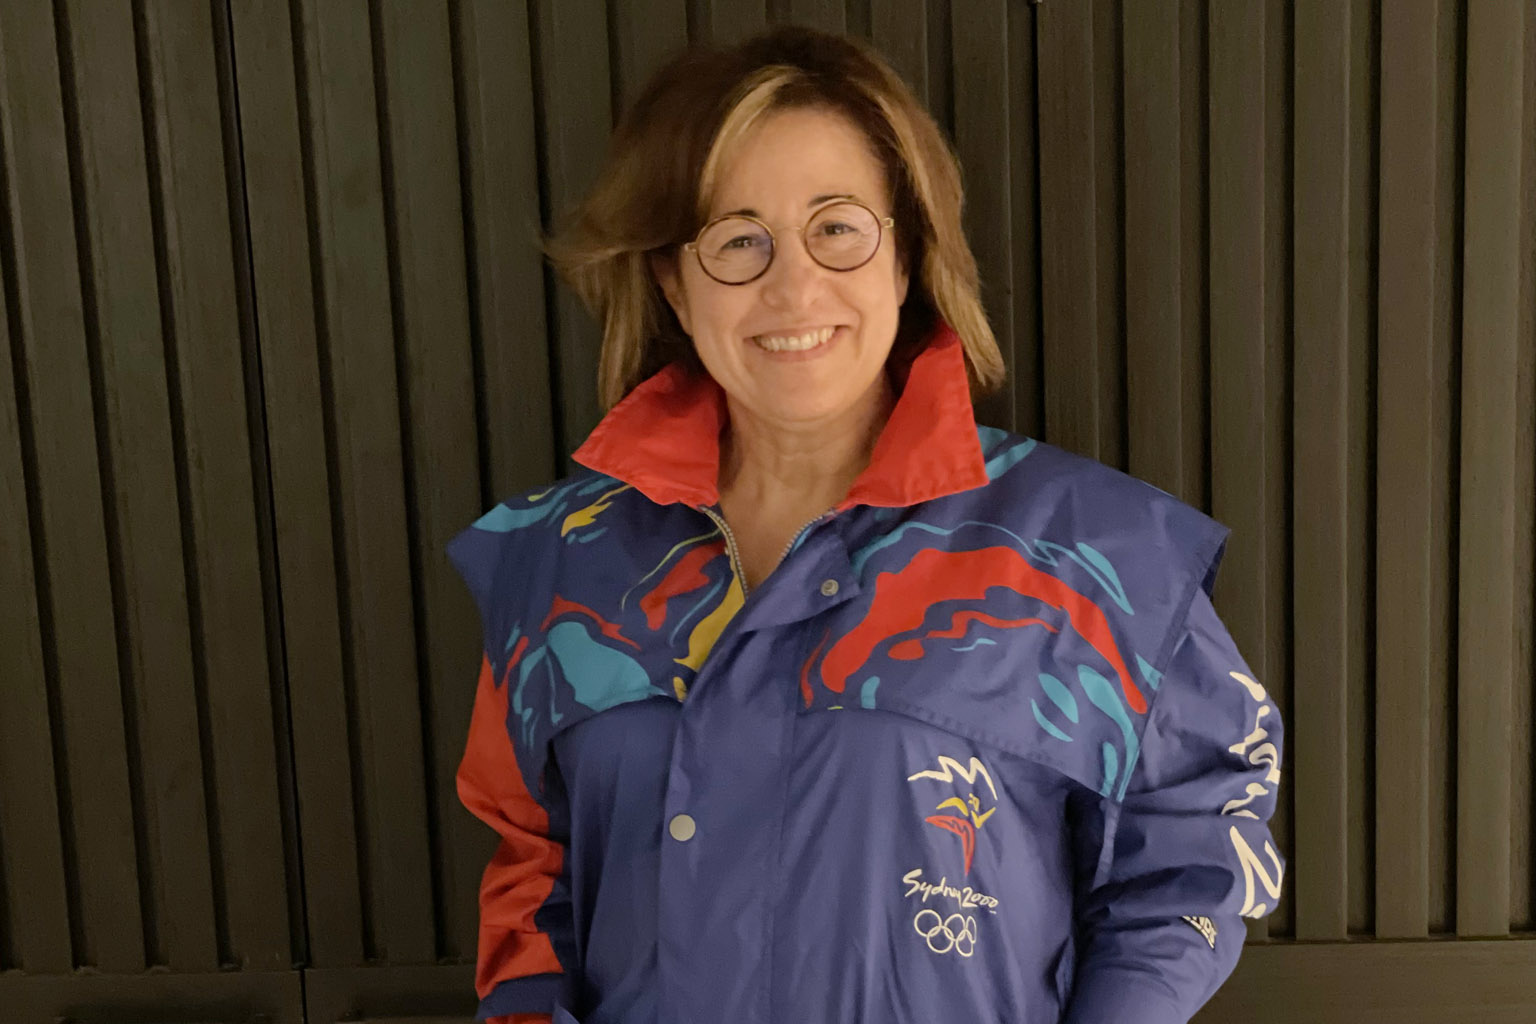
(956, 932)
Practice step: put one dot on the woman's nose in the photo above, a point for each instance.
(793, 277)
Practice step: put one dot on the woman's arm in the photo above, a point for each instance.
(1170, 873)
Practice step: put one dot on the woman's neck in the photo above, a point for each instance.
(774, 467)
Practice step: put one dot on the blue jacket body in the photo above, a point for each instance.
(979, 749)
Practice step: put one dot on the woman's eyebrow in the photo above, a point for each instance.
(747, 211)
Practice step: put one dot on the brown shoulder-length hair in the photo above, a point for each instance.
(655, 190)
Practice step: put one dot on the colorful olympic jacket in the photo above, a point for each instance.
(978, 749)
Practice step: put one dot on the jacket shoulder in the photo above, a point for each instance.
(516, 538)
(1018, 462)
(1065, 585)
(1033, 485)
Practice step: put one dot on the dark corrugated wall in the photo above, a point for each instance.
(274, 326)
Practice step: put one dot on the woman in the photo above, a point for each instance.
(808, 699)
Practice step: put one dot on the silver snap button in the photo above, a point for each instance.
(682, 828)
(828, 588)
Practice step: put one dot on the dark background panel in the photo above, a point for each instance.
(730, 20)
(165, 766)
(1405, 429)
(1107, 127)
(643, 38)
(245, 997)
(827, 15)
(283, 286)
(1522, 890)
(56, 364)
(983, 115)
(899, 28)
(276, 325)
(573, 88)
(1069, 284)
(1194, 252)
(1379, 983)
(1154, 308)
(1320, 499)
(508, 322)
(1026, 363)
(1490, 364)
(1361, 309)
(439, 436)
(1450, 203)
(353, 190)
(197, 194)
(34, 913)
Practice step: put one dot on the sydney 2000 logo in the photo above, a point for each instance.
(969, 799)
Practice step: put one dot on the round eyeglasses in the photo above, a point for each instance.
(737, 249)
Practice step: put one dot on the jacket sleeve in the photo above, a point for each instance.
(526, 929)
(1168, 875)
(525, 911)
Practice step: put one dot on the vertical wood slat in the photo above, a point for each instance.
(1109, 227)
(1405, 422)
(356, 246)
(1490, 363)
(1275, 656)
(34, 924)
(442, 470)
(203, 316)
(1441, 766)
(1194, 249)
(899, 30)
(646, 36)
(940, 88)
(80, 651)
(827, 15)
(1522, 894)
(1239, 422)
(859, 18)
(506, 267)
(1068, 263)
(1154, 317)
(573, 70)
(732, 20)
(1024, 226)
(280, 214)
(1363, 63)
(1321, 478)
(144, 489)
(982, 130)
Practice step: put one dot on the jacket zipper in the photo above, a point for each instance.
(800, 533)
(730, 542)
(730, 545)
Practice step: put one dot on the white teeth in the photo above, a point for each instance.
(794, 343)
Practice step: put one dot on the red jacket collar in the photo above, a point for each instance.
(664, 437)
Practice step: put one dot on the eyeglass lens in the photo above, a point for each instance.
(842, 236)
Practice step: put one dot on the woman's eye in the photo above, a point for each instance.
(836, 228)
(742, 242)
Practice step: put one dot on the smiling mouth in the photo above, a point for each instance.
(794, 342)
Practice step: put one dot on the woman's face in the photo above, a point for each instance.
(751, 336)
